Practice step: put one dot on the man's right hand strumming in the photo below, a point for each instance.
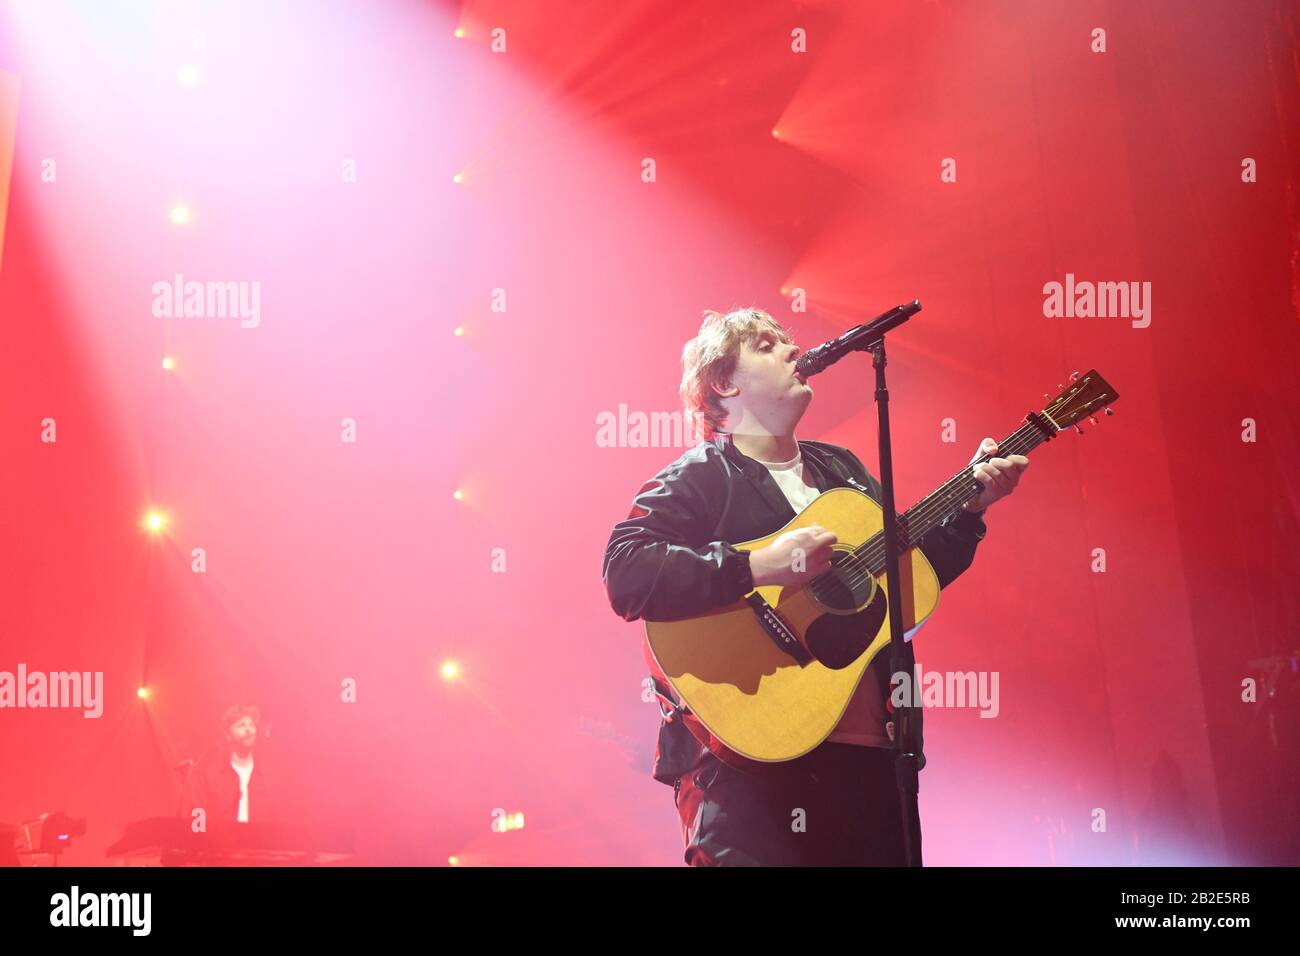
(776, 563)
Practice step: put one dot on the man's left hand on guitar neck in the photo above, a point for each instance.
(999, 475)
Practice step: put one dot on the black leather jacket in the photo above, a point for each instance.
(672, 557)
(214, 785)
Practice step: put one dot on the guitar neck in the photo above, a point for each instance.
(930, 511)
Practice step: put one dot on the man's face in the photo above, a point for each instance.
(769, 387)
(242, 733)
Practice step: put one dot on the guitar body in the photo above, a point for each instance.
(753, 700)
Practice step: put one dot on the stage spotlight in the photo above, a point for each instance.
(450, 670)
(154, 521)
(458, 330)
(456, 494)
(458, 178)
(188, 75)
(776, 133)
(503, 822)
(460, 33)
(453, 861)
(167, 363)
(142, 693)
(180, 216)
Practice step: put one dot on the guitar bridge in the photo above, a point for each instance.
(776, 629)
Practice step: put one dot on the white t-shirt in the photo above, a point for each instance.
(864, 720)
(245, 770)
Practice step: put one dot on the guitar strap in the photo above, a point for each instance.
(708, 743)
(665, 697)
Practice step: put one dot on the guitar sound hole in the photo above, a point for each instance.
(846, 586)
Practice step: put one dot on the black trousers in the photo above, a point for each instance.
(835, 806)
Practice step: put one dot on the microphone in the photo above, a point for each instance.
(857, 339)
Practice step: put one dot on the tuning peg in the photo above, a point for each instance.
(1074, 376)
(1110, 412)
(1045, 395)
(1061, 387)
(1079, 429)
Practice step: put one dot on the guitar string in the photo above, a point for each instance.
(1028, 436)
(964, 487)
(864, 557)
(868, 557)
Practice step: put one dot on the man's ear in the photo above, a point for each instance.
(726, 391)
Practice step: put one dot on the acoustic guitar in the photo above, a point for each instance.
(768, 678)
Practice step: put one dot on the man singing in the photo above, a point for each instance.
(673, 557)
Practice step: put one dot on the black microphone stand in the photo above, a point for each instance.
(907, 748)
(907, 744)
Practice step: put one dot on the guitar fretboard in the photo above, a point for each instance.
(934, 508)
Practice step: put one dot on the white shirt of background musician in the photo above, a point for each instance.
(864, 719)
(245, 770)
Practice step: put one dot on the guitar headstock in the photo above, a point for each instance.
(1087, 394)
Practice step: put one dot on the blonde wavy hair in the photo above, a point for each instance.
(710, 359)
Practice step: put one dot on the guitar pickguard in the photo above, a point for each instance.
(837, 640)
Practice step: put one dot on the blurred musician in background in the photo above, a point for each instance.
(224, 782)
